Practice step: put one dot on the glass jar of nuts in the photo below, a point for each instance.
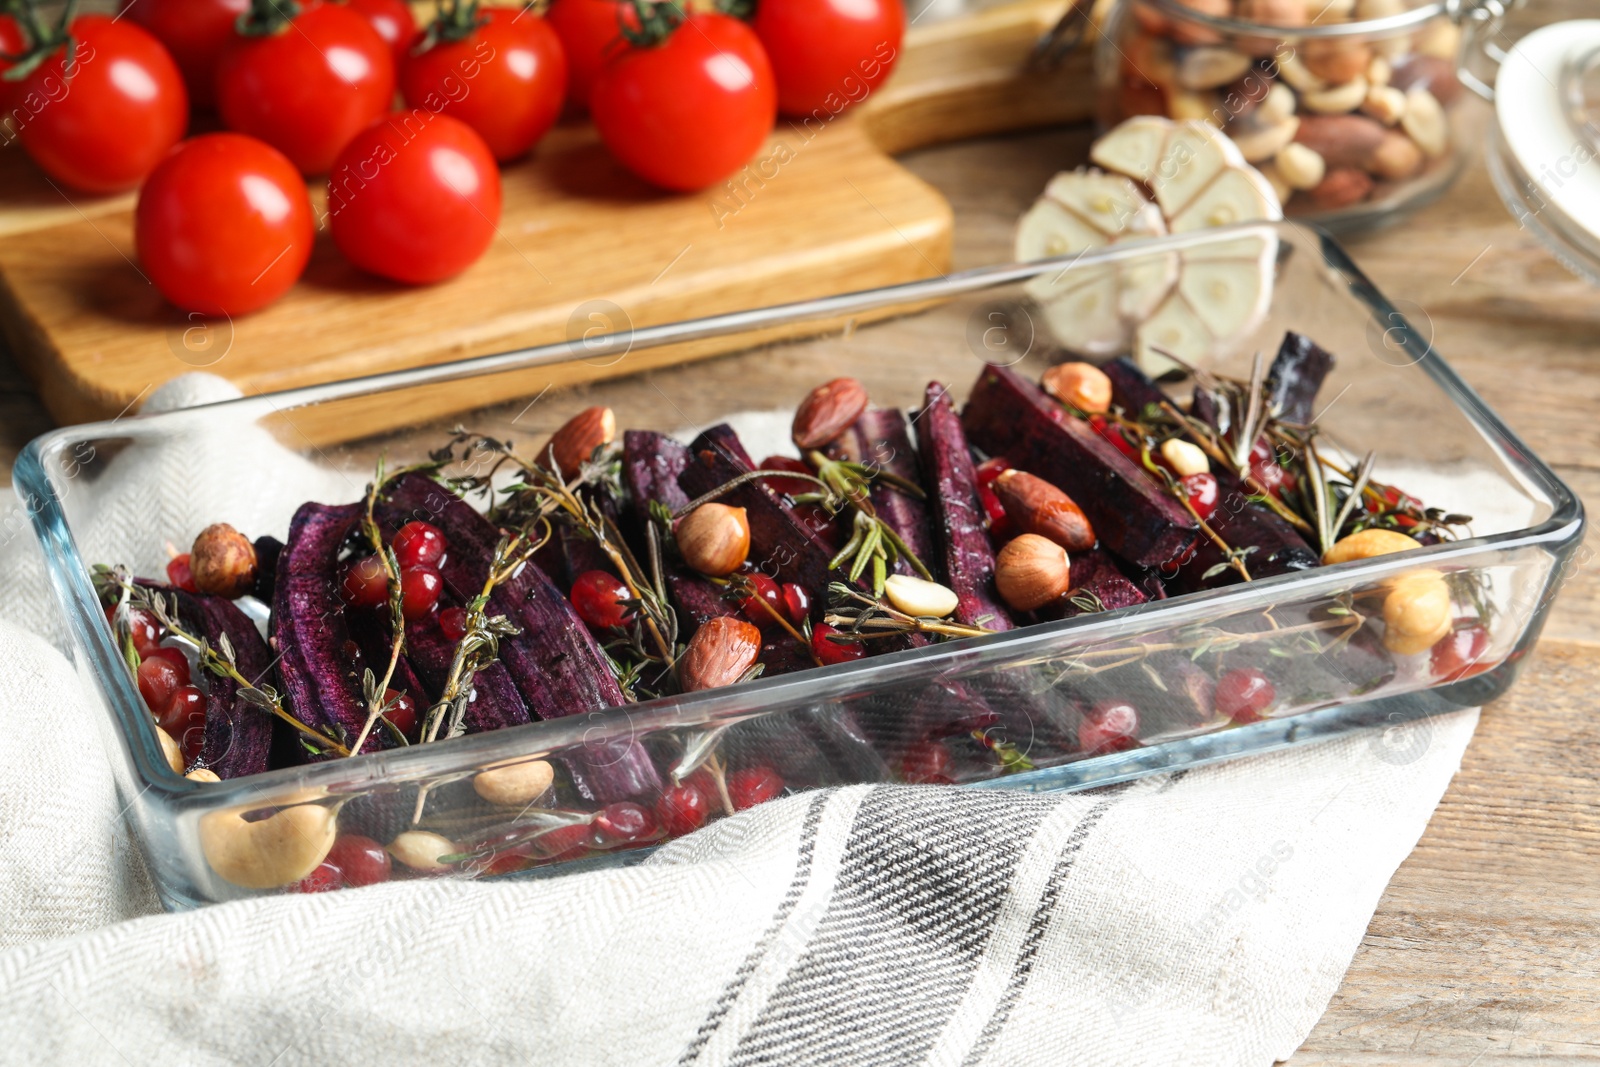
(1352, 109)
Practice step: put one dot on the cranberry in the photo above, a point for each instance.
(324, 879)
(1265, 469)
(361, 860)
(752, 786)
(766, 590)
(179, 661)
(419, 545)
(927, 762)
(999, 522)
(990, 469)
(1203, 491)
(796, 603)
(562, 841)
(157, 680)
(598, 598)
(1113, 433)
(1460, 654)
(420, 589)
(365, 584)
(403, 715)
(787, 486)
(504, 863)
(179, 574)
(622, 823)
(453, 621)
(1110, 726)
(1244, 693)
(682, 809)
(831, 652)
(142, 628)
(183, 716)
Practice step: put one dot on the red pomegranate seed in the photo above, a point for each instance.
(1203, 492)
(597, 598)
(1244, 693)
(765, 590)
(831, 652)
(787, 486)
(179, 661)
(682, 809)
(563, 841)
(183, 717)
(1460, 654)
(403, 715)
(622, 823)
(999, 523)
(365, 585)
(752, 786)
(142, 628)
(1110, 726)
(453, 621)
(928, 763)
(418, 544)
(361, 860)
(324, 879)
(1113, 434)
(796, 603)
(420, 589)
(179, 574)
(990, 469)
(158, 678)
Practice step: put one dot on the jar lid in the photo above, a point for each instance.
(1547, 102)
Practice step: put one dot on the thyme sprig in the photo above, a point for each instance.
(222, 661)
(859, 617)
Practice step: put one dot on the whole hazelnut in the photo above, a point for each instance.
(1079, 385)
(1031, 571)
(714, 539)
(223, 562)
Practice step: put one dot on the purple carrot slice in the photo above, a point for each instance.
(321, 684)
(370, 632)
(1009, 416)
(495, 702)
(879, 440)
(1295, 378)
(951, 481)
(238, 734)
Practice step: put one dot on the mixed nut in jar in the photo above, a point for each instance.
(1351, 108)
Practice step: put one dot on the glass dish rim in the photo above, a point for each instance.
(1377, 27)
(68, 571)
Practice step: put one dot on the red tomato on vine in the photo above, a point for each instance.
(306, 84)
(195, 32)
(829, 54)
(691, 110)
(415, 197)
(499, 70)
(591, 36)
(224, 225)
(102, 107)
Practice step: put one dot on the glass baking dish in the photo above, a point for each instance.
(860, 722)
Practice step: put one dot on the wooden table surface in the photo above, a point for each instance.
(1486, 946)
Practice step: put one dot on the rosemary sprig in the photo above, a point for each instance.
(859, 617)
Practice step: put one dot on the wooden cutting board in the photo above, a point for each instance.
(582, 246)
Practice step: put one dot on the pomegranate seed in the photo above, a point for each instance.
(787, 486)
(831, 652)
(324, 879)
(419, 545)
(361, 860)
(453, 621)
(1460, 654)
(403, 715)
(990, 469)
(420, 589)
(1113, 434)
(563, 841)
(1203, 491)
(1110, 726)
(999, 523)
(765, 590)
(365, 585)
(622, 823)
(597, 598)
(157, 680)
(179, 661)
(1243, 694)
(927, 762)
(179, 574)
(142, 628)
(183, 716)
(752, 786)
(1265, 469)
(682, 809)
(796, 603)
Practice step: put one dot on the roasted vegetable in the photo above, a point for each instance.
(879, 441)
(1295, 378)
(238, 733)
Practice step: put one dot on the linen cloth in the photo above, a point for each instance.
(1200, 917)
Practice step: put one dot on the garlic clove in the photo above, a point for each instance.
(1109, 202)
(919, 597)
(1195, 154)
(514, 784)
(420, 850)
(1143, 283)
(1134, 148)
(1229, 297)
(1048, 230)
(1082, 313)
(1184, 457)
(1235, 195)
(1173, 328)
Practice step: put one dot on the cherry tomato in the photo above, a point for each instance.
(591, 36)
(415, 198)
(309, 88)
(692, 110)
(393, 21)
(829, 54)
(106, 123)
(506, 79)
(224, 225)
(12, 43)
(195, 32)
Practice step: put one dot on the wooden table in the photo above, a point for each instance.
(1484, 948)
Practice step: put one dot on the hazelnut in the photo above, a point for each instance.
(1032, 571)
(513, 785)
(1366, 544)
(266, 853)
(420, 850)
(827, 412)
(714, 539)
(1037, 507)
(1079, 385)
(920, 597)
(223, 562)
(718, 654)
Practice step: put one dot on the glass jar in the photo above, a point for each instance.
(1352, 109)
